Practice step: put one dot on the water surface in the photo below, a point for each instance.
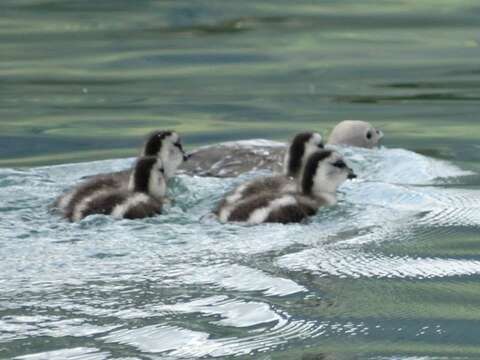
(391, 272)
(85, 80)
(392, 269)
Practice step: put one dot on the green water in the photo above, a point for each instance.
(84, 80)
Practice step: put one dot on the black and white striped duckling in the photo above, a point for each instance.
(300, 148)
(165, 145)
(143, 198)
(323, 173)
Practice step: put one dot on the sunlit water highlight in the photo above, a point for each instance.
(181, 285)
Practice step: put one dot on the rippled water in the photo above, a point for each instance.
(391, 270)
(85, 80)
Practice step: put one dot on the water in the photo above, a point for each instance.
(181, 285)
(390, 273)
(85, 80)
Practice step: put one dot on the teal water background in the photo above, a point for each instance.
(392, 272)
(86, 80)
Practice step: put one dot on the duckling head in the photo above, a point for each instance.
(301, 147)
(324, 172)
(167, 146)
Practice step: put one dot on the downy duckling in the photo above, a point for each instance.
(143, 197)
(323, 173)
(165, 145)
(301, 147)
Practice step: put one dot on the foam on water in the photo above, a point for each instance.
(185, 286)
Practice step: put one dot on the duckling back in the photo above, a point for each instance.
(66, 203)
(118, 203)
(143, 197)
(269, 207)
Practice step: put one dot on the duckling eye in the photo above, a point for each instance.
(369, 135)
(162, 170)
(320, 146)
(178, 144)
(340, 164)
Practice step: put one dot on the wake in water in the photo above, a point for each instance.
(181, 285)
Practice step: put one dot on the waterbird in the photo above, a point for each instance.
(302, 145)
(143, 197)
(166, 145)
(324, 172)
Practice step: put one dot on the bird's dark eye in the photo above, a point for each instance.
(378, 132)
(320, 146)
(178, 144)
(369, 135)
(162, 170)
(339, 164)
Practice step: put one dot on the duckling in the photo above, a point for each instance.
(231, 159)
(165, 145)
(323, 173)
(302, 145)
(143, 197)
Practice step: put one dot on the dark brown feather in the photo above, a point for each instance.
(87, 188)
(103, 203)
(244, 208)
(143, 210)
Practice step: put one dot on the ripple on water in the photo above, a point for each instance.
(353, 263)
(180, 342)
(78, 353)
(183, 285)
